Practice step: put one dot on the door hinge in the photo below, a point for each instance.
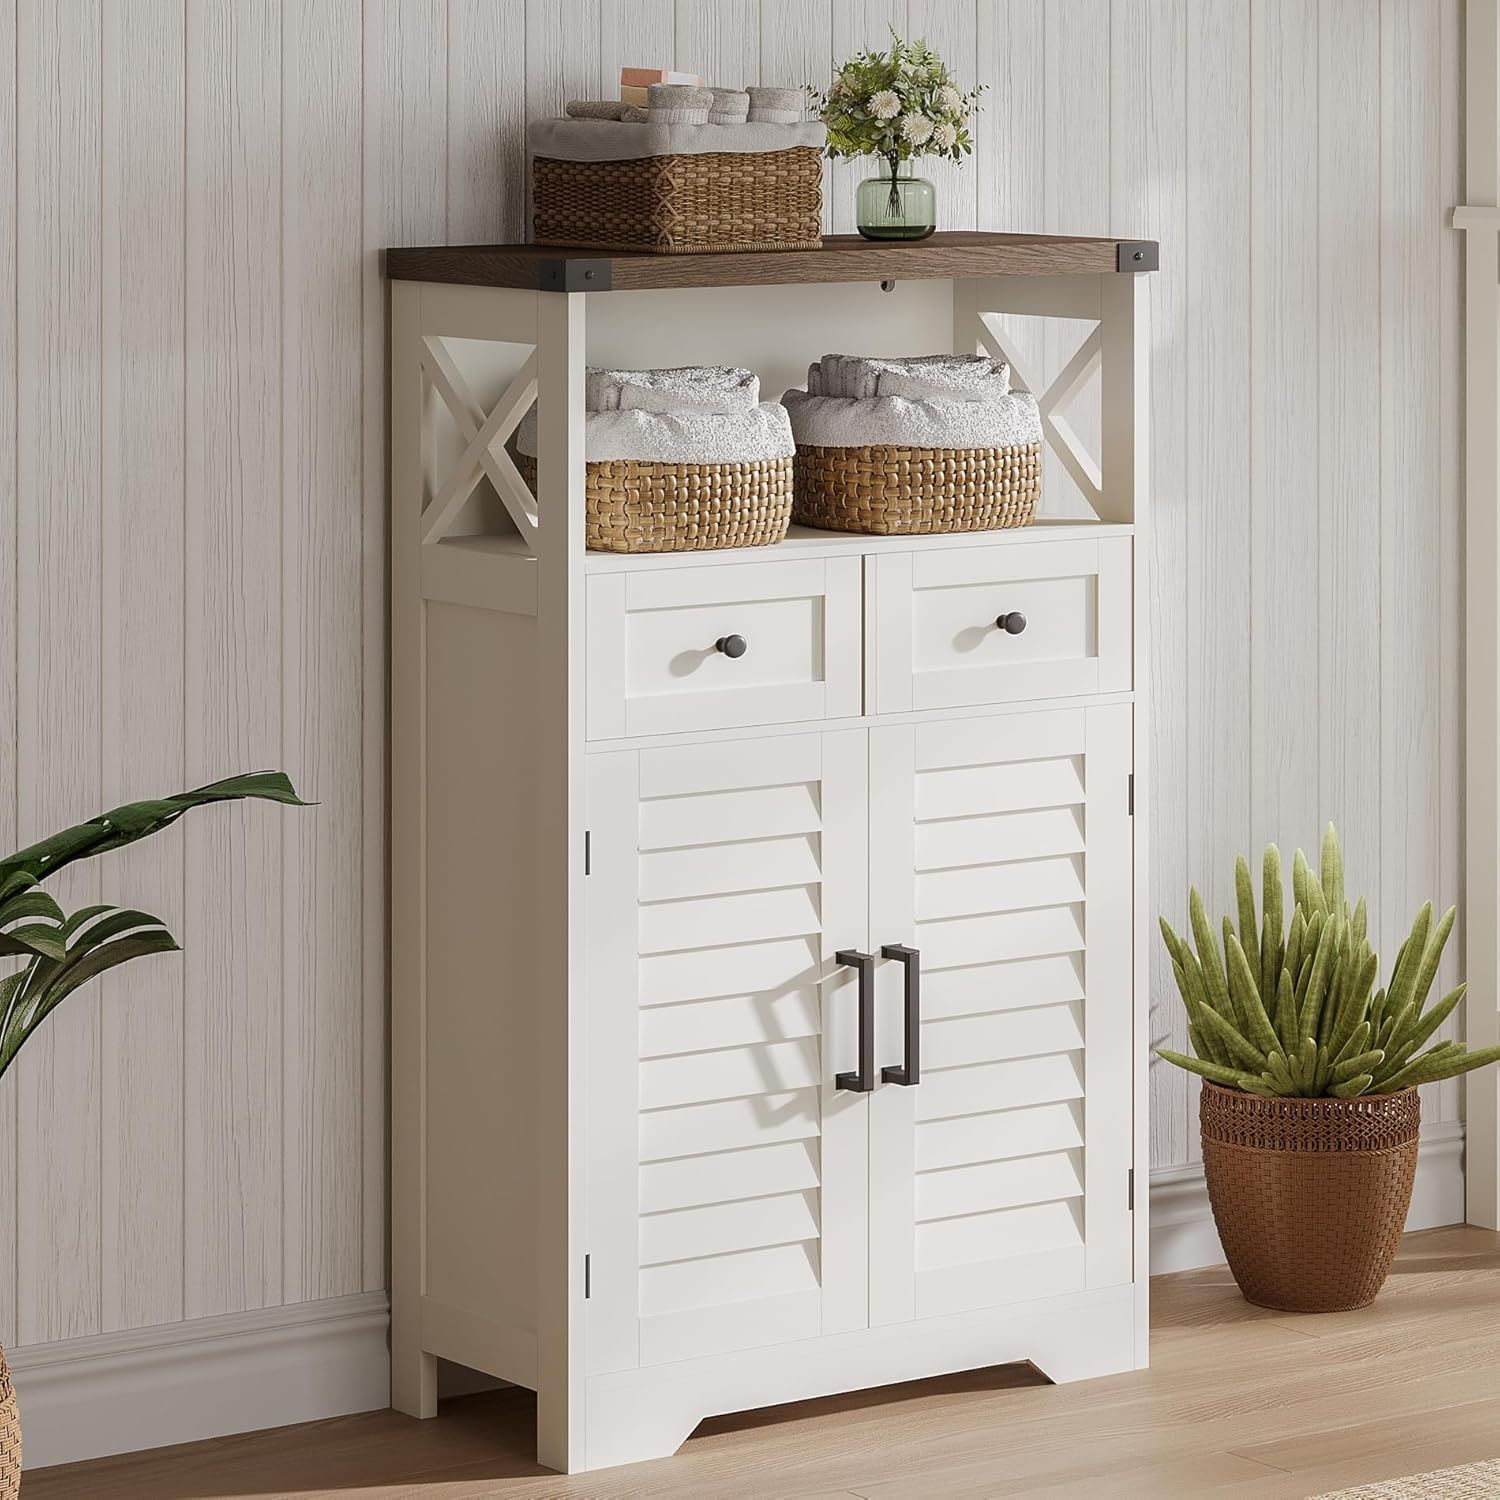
(1130, 1190)
(588, 1277)
(1130, 793)
(588, 851)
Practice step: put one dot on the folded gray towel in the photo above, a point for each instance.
(844, 422)
(678, 437)
(596, 109)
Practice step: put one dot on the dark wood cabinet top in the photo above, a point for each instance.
(844, 257)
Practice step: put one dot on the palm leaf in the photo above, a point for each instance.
(137, 820)
(65, 952)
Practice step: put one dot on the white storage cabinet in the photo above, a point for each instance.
(766, 1023)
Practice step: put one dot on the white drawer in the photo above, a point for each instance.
(935, 641)
(655, 665)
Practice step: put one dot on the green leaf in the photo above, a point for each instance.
(40, 1005)
(1312, 1006)
(1232, 1078)
(1331, 869)
(33, 902)
(1271, 898)
(1208, 958)
(1244, 987)
(1239, 1051)
(1365, 1062)
(1286, 1012)
(1244, 895)
(136, 820)
(30, 940)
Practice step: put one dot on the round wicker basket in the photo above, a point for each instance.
(1309, 1195)
(633, 506)
(890, 490)
(10, 1435)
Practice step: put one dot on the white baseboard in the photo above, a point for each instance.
(1183, 1236)
(176, 1383)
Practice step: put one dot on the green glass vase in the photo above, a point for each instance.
(896, 206)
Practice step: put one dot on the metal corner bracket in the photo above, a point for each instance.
(575, 275)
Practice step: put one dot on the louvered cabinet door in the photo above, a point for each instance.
(1001, 851)
(727, 1173)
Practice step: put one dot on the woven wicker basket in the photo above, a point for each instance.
(631, 506)
(1309, 1195)
(897, 491)
(10, 1435)
(674, 205)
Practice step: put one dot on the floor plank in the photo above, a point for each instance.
(1239, 1401)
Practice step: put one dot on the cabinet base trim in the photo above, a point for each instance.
(639, 1414)
(481, 1343)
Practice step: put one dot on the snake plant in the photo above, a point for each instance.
(62, 952)
(1290, 1008)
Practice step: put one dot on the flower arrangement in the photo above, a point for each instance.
(897, 105)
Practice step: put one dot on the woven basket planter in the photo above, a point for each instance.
(10, 1435)
(896, 491)
(631, 506)
(1309, 1195)
(676, 205)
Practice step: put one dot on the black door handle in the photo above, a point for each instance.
(732, 646)
(1012, 624)
(863, 1081)
(911, 1070)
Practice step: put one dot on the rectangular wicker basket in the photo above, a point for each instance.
(633, 506)
(900, 491)
(678, 204)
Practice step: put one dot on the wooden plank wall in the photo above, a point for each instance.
(192, 442)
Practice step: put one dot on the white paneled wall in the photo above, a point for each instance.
(191, 547)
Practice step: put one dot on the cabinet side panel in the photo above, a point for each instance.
(482, 842)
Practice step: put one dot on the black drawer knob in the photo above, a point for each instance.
(1012, 624)
(731, 645)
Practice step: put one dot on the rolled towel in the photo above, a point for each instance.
(729, 107)
(679, 437)
(705, 387)
(776, 106)
(634, 116)
(846, 422)
(596, 109)
(678, 104)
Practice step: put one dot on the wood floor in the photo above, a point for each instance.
(1238, 1401)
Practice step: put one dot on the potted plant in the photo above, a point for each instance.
(61, 952)
(1310, 1110)
(898, 106)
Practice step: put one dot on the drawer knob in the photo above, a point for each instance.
(1012, 624)
(733, 645)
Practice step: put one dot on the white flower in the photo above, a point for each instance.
(885, 105)
(949, 100)
(916, 129)
(945, 135)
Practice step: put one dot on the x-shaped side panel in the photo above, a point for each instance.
(485, 453)
(1066, 443)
